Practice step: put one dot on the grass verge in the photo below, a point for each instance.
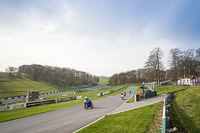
(156, 125)
(132, 99)
(184, 110)
(133, 121)
(167, 89)
(20, 113)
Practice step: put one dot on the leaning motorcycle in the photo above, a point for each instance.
(88, 104)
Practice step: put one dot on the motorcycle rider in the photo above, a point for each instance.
(87, 100)
(122, 96)
(88, 103)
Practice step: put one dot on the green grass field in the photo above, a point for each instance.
(133, 121)
(20, 87)
(63, 88)
(168, 88)
(185, 110)
(20, 113)
(103, 80)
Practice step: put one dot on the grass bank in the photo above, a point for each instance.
(19, 87)
(133, 121)
(168, 88)
(103, 80)
(20, 113)
(184, 110)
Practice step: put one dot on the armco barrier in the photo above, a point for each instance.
(165, 117)
(108, 92)
(79, 97)
(12, 107)
(32, 104)
(9, 98)
(40, 103)
(64, 99)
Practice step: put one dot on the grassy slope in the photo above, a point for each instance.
(133, 121)
(63, 88)
(168, 88)
(184, 110)
(20, 113)
(103, 80)
(20, 87)
(156, 124)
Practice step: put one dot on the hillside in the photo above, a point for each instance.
(20, 86)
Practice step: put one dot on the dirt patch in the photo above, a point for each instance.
(186, 106)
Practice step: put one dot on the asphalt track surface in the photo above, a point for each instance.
(65, 120)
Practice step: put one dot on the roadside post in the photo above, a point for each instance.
(134, 92)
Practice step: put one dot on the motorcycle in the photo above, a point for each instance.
(122, 96)
(88, 104)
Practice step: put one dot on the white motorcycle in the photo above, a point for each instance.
(122, 96)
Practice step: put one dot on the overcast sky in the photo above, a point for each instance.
(102, 37)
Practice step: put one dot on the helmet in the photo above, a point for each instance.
(86, 97)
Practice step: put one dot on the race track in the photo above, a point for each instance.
(64, 120)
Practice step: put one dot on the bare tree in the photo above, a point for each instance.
(154, 63)
(198, 60)
(198, 54)
(133, 76)
(184, 63)
(174, 62)
(190, 62)
(11, 70)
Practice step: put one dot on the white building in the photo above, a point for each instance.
(188, 82)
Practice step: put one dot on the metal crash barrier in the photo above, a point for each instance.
(165, 117)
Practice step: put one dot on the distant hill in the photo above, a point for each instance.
(58, 76)
(103, 80)
(20, 86)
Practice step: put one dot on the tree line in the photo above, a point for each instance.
(182, 64)
(55, 75)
